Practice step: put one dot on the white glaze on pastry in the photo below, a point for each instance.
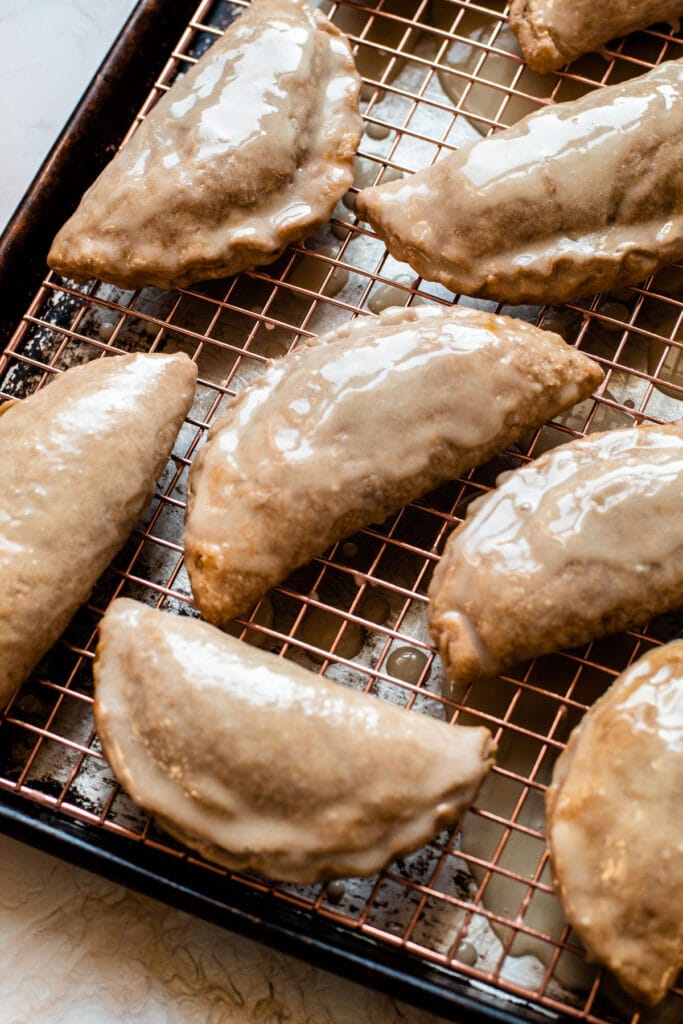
(258, 763)
(615, 828)
(511, 218)
(79, 461)
(585, 541)
(248, 152)
(348, 428)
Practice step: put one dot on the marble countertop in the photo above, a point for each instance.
(75, 947)
(49, 51)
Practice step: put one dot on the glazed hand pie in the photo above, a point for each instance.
(258, 763)
(586, 540)
(553, 32)
(248, 152)
(576, 198)
(615, 828)
(350, 427)
(79, 462)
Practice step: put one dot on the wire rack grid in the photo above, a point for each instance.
(478, 900)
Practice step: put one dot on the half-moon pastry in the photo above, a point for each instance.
(586, 540)
(258, 763)
(79, 460)
(350, 427)
(248, 152)
(512, 217)
(615, 828)
(553, 32)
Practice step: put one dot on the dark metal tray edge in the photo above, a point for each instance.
(87, 142)
(99, 121)
(259, 916)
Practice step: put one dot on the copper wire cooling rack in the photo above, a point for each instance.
(470, 921)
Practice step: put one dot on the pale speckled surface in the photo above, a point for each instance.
(73, 947)
(49, 51)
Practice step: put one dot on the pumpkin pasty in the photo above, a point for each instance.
(248, 152)
(577, 198)
(586, 540)
(79, 462)
(553, 32)
(258, 763)
(350, 427)
(615, 828)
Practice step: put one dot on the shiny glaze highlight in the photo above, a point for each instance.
(615, 828)
(511, 217)
(248, 151)
(260, 764)
(584, 541)
(596, 501)
(346, 429)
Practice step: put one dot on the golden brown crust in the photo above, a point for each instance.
(79, 462)
(538, 46)
(555, 32)
(525, 623)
